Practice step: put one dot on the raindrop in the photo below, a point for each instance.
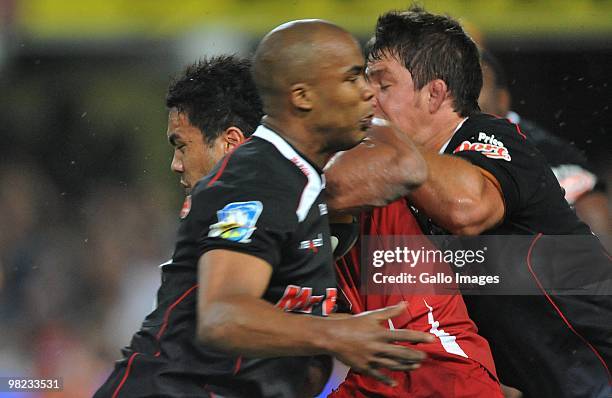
(589, 141)
(83, 115)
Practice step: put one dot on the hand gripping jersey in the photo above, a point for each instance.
(546, 344)
(264, 199)
(459, 362)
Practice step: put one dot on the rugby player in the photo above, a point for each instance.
(254, 243)
(485, 178)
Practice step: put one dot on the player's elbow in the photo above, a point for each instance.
(472, 216)
(213, 326)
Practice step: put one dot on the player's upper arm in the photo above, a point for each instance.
(225, 273)
(513, 169)
(461, 197)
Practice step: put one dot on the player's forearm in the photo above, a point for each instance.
(380, 170)
(247, 326)
(457, 196)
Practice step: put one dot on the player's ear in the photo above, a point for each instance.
(232, 137)
(438, 92)
(301, 96)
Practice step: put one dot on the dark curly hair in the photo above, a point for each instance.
(431, 47)
(217, 93)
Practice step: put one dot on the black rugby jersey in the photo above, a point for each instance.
(264, 199)
(545, 344)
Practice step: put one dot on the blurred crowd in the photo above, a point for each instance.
(76, 276)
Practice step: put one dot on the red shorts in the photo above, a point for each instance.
(436, 378)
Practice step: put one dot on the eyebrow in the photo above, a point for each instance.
(356, 70)
(375, 71)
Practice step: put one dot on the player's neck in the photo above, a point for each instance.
(442, 130)
(300, 138)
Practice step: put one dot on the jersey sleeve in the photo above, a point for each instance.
(250, 219)
(517, 165)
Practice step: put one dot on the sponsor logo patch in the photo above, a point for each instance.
(186, 207)
(312, 244)
(489, 150)
(301, 299)
(489, 139)
(236, 221)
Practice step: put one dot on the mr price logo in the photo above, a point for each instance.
(489, 150)
(300, 299)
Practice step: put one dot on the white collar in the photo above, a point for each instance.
(451, 137)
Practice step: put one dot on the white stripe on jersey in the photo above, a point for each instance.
(449, 343)
(315, 183)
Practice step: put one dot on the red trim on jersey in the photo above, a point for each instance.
(169, 310)
(518, 130)
(565, 320)
(224, 164)
(237, 366)
(125, 376)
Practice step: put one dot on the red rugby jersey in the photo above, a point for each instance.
(445, 316)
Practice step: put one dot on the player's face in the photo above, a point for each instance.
(344, 103)
(397, 99)
(193, 156)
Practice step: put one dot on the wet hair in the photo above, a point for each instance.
(217, 93)
(431, 47)
(488, 59)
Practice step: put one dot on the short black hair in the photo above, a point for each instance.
(488, 59)
(431, 47)
(217, 93)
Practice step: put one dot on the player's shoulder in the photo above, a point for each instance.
(255, 163)
(494, 137)
(488, 129)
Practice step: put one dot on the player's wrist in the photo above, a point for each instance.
(323, 336)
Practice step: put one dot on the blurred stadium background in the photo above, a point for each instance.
(88, 205)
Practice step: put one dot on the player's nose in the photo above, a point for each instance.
(368, 92)
(177, 165)
(377, 111)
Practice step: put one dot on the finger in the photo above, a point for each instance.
(401, 354)
(390, 364)
(388, 312)
(380, 377)
(411, 336)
